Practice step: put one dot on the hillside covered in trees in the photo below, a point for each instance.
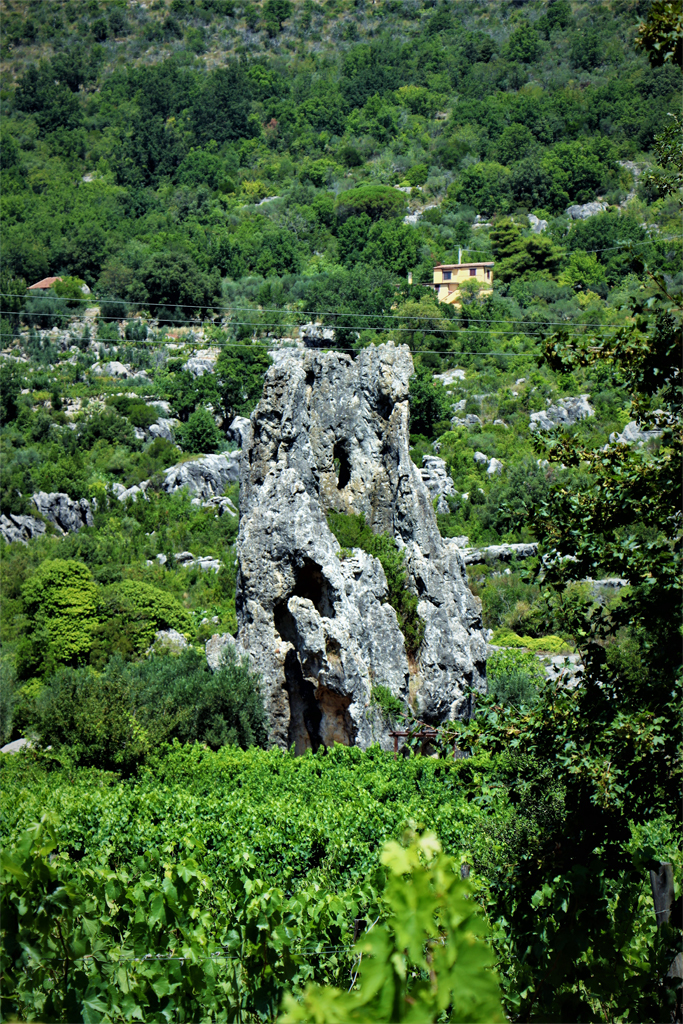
(204, 185)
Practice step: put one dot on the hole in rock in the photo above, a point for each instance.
(342, 464)
(304, 711)
(311, 583)
(310, 378)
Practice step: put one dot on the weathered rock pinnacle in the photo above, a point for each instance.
(331, 434)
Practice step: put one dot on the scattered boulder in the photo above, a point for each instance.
(331, 434)
(450, 376)
(536, 225)
(493, 466)
(206, 477)
(470, 420)
(15, 746)
(437, 480)
(583, 212)
(216, 647)
(163, 428)
(634, 434)
(316, 336)
(20, 528)
(65, 513)
(565, 413)
(169, 641)
(203, 361)
(116, 369)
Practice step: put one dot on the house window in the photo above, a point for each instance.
(446, 275)
(473, 271)
(488, 272)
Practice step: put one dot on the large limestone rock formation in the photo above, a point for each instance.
(331, 433)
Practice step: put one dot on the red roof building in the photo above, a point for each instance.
(46, 283)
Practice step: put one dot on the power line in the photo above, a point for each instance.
(309, 313)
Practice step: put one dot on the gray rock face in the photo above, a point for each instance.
(20, 528)
(537, 225)
(163, 428)
(586, 210)
(237, 430)
(331, 433)
(567, 412)
(203, 361)
(437, 480)
(206, 477)
(67, 514)
(634, 434)
(495, 552)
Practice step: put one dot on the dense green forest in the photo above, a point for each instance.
(207, 180)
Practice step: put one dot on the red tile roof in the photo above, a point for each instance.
(47, 282)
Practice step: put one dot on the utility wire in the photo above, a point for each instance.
(298, 313)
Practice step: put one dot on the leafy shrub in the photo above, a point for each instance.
(113, 719)
(552, 644)
(514, 676)
(130, 614)
(389, 706)
(60, 599)
(353, 532)
(200, 433)
(429, 956)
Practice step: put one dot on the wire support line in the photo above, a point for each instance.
(323, 312)
(348, 327)
(164, 958)
(337, 348)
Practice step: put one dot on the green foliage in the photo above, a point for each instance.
(10, 389)
(114, 719)
(661, 34)
(376, 201)
(200, 433)
(60, 599)
(551, 644)
(390, 707)
(426, 959)
(429, 403)
(352, 532)
(513, 677)
(130, 613)
(239, 378)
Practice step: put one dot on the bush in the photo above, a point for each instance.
(200, 433)
(551, 644)
(130, 614)
(113, 719)
(60, 599)
(514, 677)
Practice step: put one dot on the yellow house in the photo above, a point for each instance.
(448, 277)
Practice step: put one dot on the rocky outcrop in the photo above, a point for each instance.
(206, 477)
(163, 428)
(586, 210)
(437, 480)
(564, 413)
(20, 528)
(633, 433)
(494, 552)
(65, 513)
(203, 361)
(331, 433)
